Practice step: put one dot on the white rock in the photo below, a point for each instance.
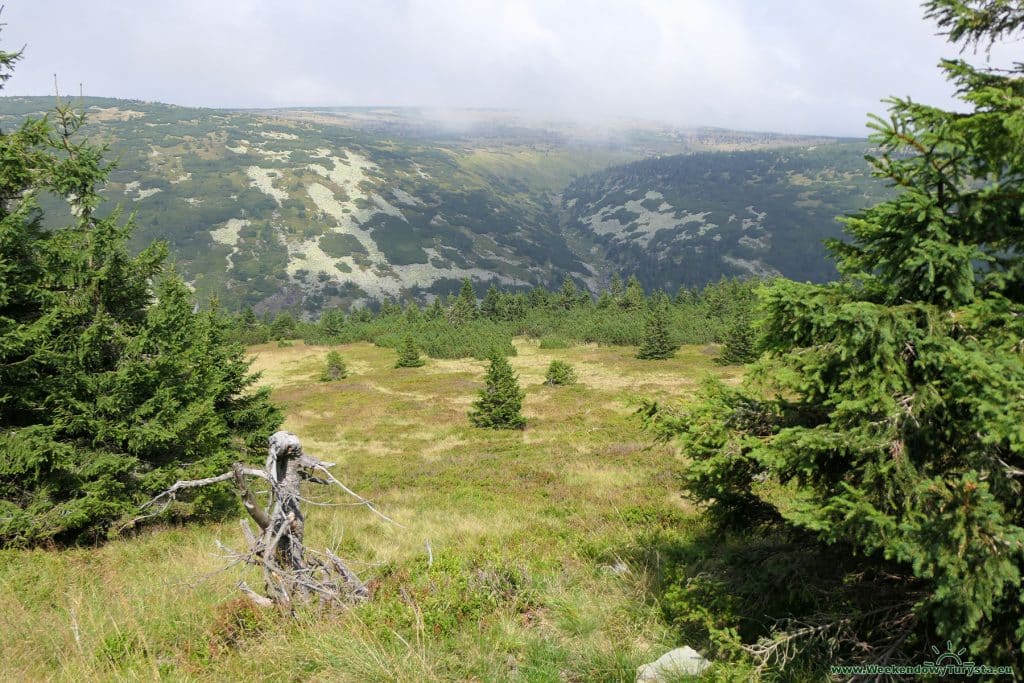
(681, 661)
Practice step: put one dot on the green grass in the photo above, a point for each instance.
(529, 533)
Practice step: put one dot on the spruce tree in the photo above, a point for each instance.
(435, 311)
(408, 354)
(360, 315)
(568, 296)
(464, 309)
(514, 307)
(107, 392)
(539, 298)
(657, 342)
(500, 403)
(740, 344)
(389, 308)
(490, 307)
(283, 326)
(634, 298)
(413, 313)
(685, 295)
(560, 373)
(247, 318)
(616, 290)
(886, 416)
(332, 322)
(334, 368)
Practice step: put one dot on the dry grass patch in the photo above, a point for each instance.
(522, 529)
(600, 479)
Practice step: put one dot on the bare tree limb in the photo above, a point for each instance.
(1010, 470)
(258, 514)
(260, 600)
(291, 573)
(183, 484)
(363, 501)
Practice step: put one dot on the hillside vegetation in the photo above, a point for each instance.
(687, 220)
(312, 209)
(851, 499)
(525, 555)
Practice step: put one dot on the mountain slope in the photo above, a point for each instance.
(328, 207)
(687, 219)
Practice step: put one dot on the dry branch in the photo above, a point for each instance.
(291, 573)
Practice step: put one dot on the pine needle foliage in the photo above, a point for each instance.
(886, 417)
(500, 403)
(334, 368)
(702, 318)
(111, 387)
(409, 355)
(560, 373)
(464, 309)
(657, 343)
(740, 344)
(490, 307)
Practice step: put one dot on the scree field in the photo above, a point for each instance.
(521, 555)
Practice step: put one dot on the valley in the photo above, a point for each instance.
(304, 210)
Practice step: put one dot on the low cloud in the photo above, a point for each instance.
(798, 66)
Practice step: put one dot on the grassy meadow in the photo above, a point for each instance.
(521, 555)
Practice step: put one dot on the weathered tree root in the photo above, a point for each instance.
(292, 574)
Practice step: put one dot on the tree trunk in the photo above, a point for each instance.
(291, 573)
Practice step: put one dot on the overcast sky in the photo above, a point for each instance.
(807, 66)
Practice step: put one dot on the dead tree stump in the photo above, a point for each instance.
(292, 573)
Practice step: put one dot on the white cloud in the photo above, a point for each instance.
(793, 65)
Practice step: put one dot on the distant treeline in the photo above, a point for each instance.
(459, 325)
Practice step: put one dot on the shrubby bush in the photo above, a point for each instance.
(560, 373)
(334, 368)
(552, 343)
(461, 330)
